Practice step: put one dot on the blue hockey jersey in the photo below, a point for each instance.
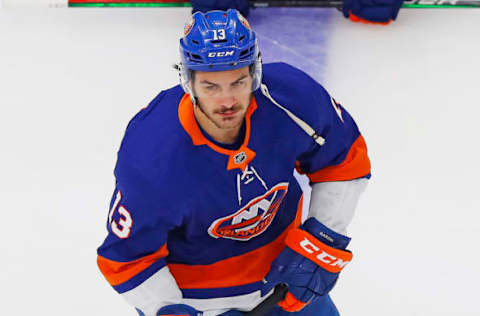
(216, 218)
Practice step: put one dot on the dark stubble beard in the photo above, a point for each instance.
(199, 105)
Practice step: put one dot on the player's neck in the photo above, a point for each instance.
(221, 135)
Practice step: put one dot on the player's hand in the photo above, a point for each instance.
(309, 265)
(178, 309)
(372, 11)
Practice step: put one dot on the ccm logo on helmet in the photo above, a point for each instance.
(322, 256)
(221, 54)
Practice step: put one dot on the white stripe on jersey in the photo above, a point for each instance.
(216, 306)
(157, 291)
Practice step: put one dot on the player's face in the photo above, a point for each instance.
(224, 96)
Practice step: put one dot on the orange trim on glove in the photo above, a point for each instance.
(355, 18)
(291, 304)
(329, 258)
(355, 165)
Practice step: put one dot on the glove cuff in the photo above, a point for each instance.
(325, 234)
(331, 259)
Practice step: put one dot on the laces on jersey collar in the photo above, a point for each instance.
(247, 175)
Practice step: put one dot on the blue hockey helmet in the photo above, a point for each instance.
(218, 41)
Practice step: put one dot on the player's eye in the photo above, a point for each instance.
(238, 83)
(211, 88)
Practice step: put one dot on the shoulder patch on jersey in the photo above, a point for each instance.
(252, 219)
(337, 108)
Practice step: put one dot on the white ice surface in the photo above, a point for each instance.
(70, 79)
(34, 3)
(413, 88)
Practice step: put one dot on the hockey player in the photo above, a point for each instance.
(380, 12)
(206, 213)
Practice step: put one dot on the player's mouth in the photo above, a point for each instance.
(228, 113)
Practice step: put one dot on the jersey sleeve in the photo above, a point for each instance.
(132, 257)
(338, 170)
(344, 155)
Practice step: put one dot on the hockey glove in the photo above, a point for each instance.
(372, 11)
(178, 309)
(309, 265)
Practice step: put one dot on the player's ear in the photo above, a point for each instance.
(192, 81)
(192, 75)
(251, 70)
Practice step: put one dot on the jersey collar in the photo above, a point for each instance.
(239, 158)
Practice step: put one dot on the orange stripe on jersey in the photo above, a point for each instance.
(355, 165)
(298, 218)
(244, 269)
(119, 272)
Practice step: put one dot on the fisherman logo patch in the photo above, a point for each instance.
(252, 219)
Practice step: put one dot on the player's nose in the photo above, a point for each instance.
(227, 100)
